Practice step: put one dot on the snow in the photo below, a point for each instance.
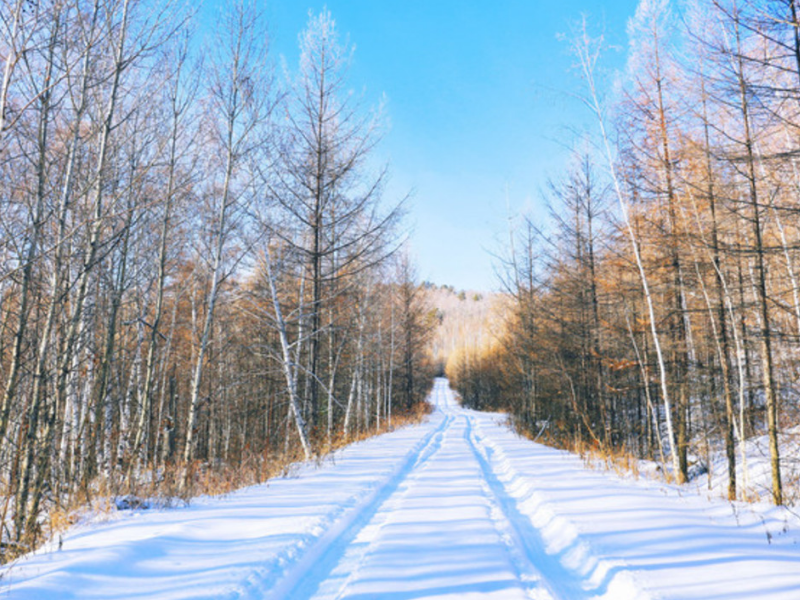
(757, 480)
(458, 507)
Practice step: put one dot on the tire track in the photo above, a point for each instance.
(526, 545)
(303, 572)
(527, 540)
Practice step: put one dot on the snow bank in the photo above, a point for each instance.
(671, 543)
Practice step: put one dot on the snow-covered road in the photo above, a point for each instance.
(457, 508)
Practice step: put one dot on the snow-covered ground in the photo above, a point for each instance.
(753, 475)
(459, 507)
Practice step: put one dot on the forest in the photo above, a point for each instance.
(201, 279)
(657, 312)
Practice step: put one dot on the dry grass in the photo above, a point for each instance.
(619, 460)
(414, 417)
(223, 478)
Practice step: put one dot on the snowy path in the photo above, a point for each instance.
(456, 508)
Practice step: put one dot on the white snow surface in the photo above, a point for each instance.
(459, 507)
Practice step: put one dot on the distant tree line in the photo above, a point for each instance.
(660, 312)
(197, 269)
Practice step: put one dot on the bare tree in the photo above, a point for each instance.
(330, 202)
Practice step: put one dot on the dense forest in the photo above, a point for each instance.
(200, 279)
(658, 313)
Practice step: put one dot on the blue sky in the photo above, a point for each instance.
(477, 105)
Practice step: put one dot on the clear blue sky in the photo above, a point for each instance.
(476, 102)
